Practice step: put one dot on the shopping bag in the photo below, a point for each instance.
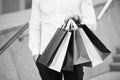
(76, 53)
(103, 50)
(80, 53)
(58, 60)
(51, 49)
(91, 50)
(68, 62)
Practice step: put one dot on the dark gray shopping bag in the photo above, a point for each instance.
(59, 58)
(51, 49)
(80, 53)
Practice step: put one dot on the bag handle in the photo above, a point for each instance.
(68, 23)
(74, 25)
(65, 25)
(71, 23)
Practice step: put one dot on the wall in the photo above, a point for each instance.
(14, 19)
(16, 62)
(1, 6)
(98, 1)
(10, 6)
(7, 6)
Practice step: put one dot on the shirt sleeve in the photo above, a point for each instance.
(88, 14)
(35, 29)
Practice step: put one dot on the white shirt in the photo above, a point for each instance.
(48, 15)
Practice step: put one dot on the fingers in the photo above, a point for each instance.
(35, 57)
(76, 18)
(66, 20)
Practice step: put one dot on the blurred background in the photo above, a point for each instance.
(16, 61)
(7, 6)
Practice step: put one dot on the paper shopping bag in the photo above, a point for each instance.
(51, 49)
(80, 53)
(91, 49)
(58, 60)
(103, 50)
(68, 62)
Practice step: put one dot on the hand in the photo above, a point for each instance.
(77, 19)
(35, 57)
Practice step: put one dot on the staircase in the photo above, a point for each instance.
(115, 65)
(114, 71)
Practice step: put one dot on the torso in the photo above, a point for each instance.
(53, 14)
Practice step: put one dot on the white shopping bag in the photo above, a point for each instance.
(91, 50)
(60, 55)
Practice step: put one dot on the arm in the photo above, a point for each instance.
(88, 14)
(35, 30)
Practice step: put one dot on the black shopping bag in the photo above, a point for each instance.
(68, 62)
(104, 51)
(51, 49)
(96, 50)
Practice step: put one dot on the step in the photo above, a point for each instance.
(118, 50)
(107, 76)
(116, 58)
(115, 66)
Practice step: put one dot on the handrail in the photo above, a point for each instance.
(7, 44)
(104, 9)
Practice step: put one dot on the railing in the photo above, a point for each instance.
(104, 9)
(6, 45)
(17, 35)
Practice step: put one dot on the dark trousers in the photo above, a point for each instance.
(49, 74)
